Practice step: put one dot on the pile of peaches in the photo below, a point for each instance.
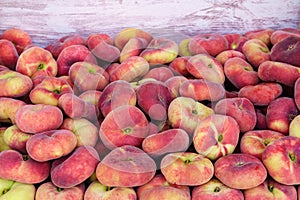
(133, 116)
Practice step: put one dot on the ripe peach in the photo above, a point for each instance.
(241, 109)
(200, 89)
(186, 168)
(216, 190)
(279, 114)
(38, 118)
(255, 142)
(168, 141)
(49, 91)
(262, 34)
(174, 84)
(160, 73)
(210, 43)
(281, 34)
(74, 169)
(235, 41)
(88, 76)
(261, 94)
(183, 47)
(72, 54)
(84, 130)
(132, 168)
(14, 84)
(133, 47)
(16, 139)
(57, 46)
(8, 54)
(205, 67)
(179, 66)
(51, 145)
(226, 55)
(9, 108)
(272, 71)
(36, 61)
(281, 159)
(240, 171)
(125, 125)
(160, 51)
(216, 136)
(256, 52)
(240, 73)
(126, 34)
(185, 113)
(130, 69)
(101, 45)
(22, 168)
(20, 38)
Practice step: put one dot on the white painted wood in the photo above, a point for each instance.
(47, 21)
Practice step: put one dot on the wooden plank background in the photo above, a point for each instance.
(47, 21)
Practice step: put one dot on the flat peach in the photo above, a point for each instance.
(9, 108)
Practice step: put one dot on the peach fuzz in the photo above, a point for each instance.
(241, 109)
(185, 113)
(16, 139)
(240, 73)
(279, 114)
(216, 136)
(281, 159)
(153, 98)
(174, 84)
(235, 41)
(179, 66)
(38, 118)
(96, 190)
(255, 142)
(183, 47)
(133, 47)
(8, 54)
(226, 55)
(125, 125)
(216, 190)
(133, 168)
(203, 66)
(49, 91)
(20, 38)
(101, 45)
(57, 46)
(272, 71)
(36, 61)
(161, 73)
(72, 54)
(200, 89)
(186, 168)
(160, 51)
(74, 169)
(261, 34)
(158, 182)
(51, 145)
(240, 171)
(271, 190)
(48, 191)
(85, 131)
(9, 108)
(116, 94)
(14, 84)
(22, 168)
(130, 69)
(88, 76)
(126, 34)
(209, 43)
(168, 141)
(256, 52)
(262, 93)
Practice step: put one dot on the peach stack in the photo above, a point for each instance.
(133, 116)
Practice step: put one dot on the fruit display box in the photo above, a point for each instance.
(181, 100)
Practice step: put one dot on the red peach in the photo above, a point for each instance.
(74, 169)
(38, 118)
(174, 84)
(133, 47)
(16, 139)
(281, 34)
(262, 34)
(9, 108)
(8, 54)
(226, 55)
(235, 41)
(161, 73)
(179, 65)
